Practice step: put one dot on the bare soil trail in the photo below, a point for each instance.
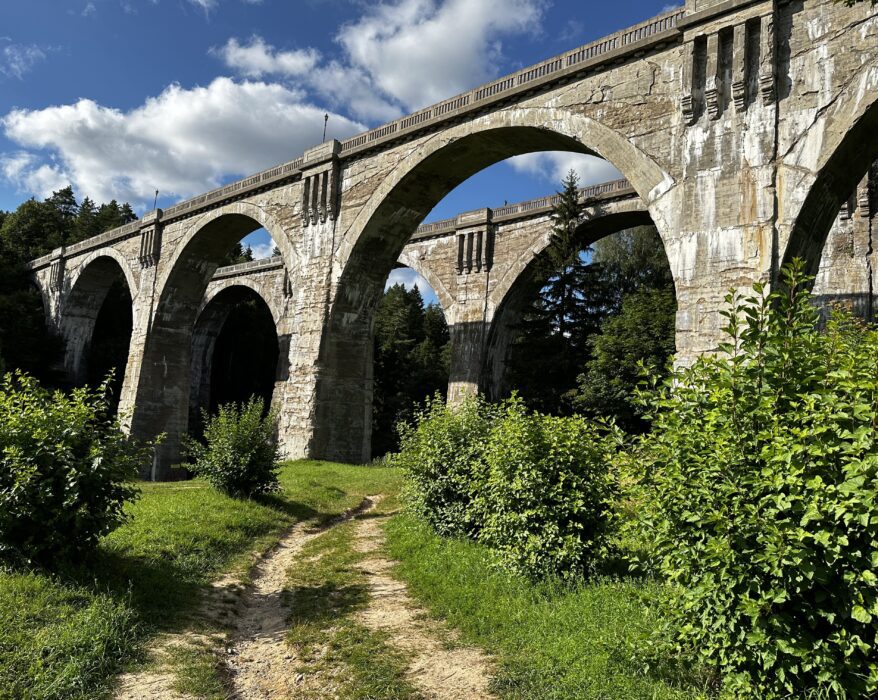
(255, 656)
(439, 670)
(259, 664)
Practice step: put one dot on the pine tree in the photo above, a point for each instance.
(410, 361)
(551, 344)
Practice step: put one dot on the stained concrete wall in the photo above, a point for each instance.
(742, 126)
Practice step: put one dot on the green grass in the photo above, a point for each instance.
(64, 634)
(554, 641)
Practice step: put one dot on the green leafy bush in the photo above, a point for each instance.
(442, 453)
(239, 455)
(536, 489)
(65, 470)
(545, 506)
(761, 500)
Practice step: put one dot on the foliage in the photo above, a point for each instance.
(237, 255)
(65, 470)
(411, 361)
(559, 352)
(632, 260)
(546, 500)
(759, 496)
(442, 454)
(239, 454)
(36, 228)
(536, 489)
(552, 333)
(642, 334)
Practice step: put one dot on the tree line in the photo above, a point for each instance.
(34, 229)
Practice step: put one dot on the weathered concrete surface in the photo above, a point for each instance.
(742, 125)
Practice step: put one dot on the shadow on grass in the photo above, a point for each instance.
(324, 603)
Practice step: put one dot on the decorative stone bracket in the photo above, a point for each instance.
(743, 53)
(320, 183)
(475, 242)
(56, 270)
(151, 238)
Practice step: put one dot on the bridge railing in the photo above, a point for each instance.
(508, 84)
(274, 262)
(527, 78)
(603, 190)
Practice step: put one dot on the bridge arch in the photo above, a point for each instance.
(226, 226)
(375, 238)
(523, 280)
(163, 384)
(848, 148)
(219, 307)
(412, 260)
(104, 275)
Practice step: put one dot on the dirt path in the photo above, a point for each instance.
(439, 672)
(259, 663)
(256, 657)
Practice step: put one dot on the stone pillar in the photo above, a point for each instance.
(323, 394)
(472, 315)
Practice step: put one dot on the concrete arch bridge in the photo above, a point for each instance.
(742, 127)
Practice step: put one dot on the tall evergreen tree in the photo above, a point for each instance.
(552, 337)
(410, 361)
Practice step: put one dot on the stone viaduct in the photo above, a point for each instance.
(743, 128)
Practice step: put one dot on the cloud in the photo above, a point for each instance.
(16, 60)
(257, 59)
(420, 52)
(398, 56)
(553, 167)
(28, 174)
(410, 279)
(182, 142)
(89, 10)
(206, 5)
(262, 250)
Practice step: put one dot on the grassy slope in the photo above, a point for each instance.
(64, 635)
(554, 641)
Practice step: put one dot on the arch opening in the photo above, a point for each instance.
(844, 170)
(162, 395)
(410, 353)
(345, 385)
(567, 337)
(234, 354)
(97, 326)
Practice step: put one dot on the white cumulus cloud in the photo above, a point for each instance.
(421, 51)
(182, 142)
(553, 167)
(398, 56)
(257, 58)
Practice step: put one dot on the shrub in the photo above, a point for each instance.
(65, 470)
(442, 453)
(534, 488)
(239, 455)
(761, 498)
(545, 506)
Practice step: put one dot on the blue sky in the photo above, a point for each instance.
(123, 97)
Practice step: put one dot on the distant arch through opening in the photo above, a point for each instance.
(398, 205)
(97, 325)
(234, 352)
